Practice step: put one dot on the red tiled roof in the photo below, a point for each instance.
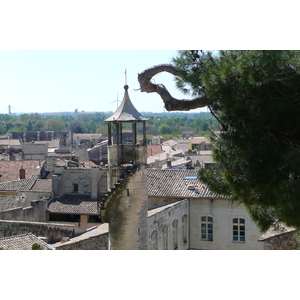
(10, 169)
(153, 150)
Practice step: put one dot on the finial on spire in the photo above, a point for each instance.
(126, 86)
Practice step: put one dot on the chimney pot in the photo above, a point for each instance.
(22, 173)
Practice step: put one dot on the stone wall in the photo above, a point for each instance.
(95, 243)
(168, 227)
(126, 213)
(80, 176)
(154, 202)
(284, 241)
(89, 181)
(99, 242)
(33, 151)
(53, 231)
(36, 212)
(65, 137)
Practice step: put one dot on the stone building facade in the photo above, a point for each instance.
(168, 227)
(53, 232)
(214, 222)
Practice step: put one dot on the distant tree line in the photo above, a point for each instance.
(164, 124)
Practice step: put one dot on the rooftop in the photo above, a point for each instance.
(178, 183)
(162, 156)
(44, 185)
(10, 169)
(21, 242)
(74, 204)
(272, 232)
(10, 202)
(19, 185)
(126, 111)
(164, 207)
(99, 230)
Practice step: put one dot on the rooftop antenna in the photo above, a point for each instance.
(125, 77)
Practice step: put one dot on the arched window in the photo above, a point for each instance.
(184, 228)
(238, 230)
(206, 228)
(154, 240)
(175, 234)
(165, 237)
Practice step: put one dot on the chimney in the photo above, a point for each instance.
(22, 173)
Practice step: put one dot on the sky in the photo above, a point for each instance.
(63, 55)
(87, 80)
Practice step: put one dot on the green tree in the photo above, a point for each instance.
(164, 129)
(91, 126)
(54, 124)
(36, 246)
(102, 129)
(255, 96)
(2, 128)
(77, 127)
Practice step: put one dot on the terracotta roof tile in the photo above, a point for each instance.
(179, 183)
(9, 202)
(10, 169)
(21, 242)
(44, 185)
(153, 150)
(19, 185)
(74, 204)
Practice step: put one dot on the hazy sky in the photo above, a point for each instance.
(89, 80)
(40, 71)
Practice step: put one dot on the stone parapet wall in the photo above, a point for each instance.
(53, 231)
(93, 243)
(36, 212)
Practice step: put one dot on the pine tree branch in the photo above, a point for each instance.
(171, 103)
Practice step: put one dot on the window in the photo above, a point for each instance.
(238, 232)
(154, 241)
(175, 234)
(207, 228)
(184, 228)
(75, 187)
(165, 237)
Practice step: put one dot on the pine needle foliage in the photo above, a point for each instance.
(255, 96)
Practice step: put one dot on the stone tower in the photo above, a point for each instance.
(125, 207)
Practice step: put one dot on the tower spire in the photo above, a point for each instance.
(125, 76)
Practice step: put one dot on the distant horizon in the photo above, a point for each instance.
(94, 112)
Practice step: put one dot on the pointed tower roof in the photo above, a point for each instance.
(126, 111)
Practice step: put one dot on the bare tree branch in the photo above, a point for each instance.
(171, 103)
